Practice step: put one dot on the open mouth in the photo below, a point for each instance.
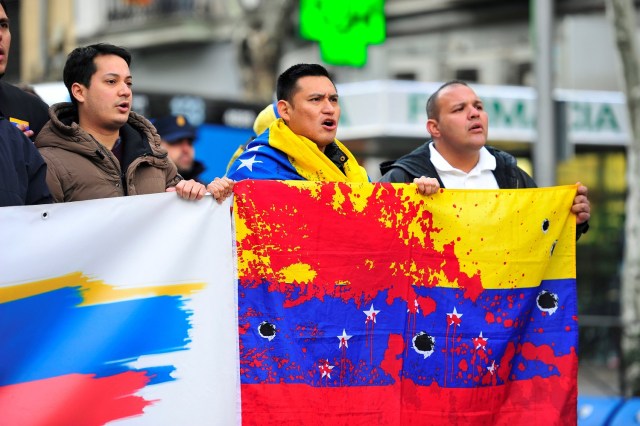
(329, 123)
(123, 106)
(475, 127)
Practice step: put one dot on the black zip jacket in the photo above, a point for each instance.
(418, 163)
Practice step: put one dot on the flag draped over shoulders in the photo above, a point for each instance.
(280, 154)
(368, 303)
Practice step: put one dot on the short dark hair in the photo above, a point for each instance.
(433, 110)
(287, 81)
(80, 65)
(4, 6)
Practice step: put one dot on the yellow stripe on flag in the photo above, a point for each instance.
(501, 234)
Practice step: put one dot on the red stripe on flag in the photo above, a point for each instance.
(510, 404)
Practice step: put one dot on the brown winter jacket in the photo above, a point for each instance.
(80, 168)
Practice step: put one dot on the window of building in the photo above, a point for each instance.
(467, 74)
(411, 76)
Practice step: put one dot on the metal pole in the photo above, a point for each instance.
(544, 148)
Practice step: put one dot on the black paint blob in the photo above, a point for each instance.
(267, 330)
(545, 225)
(424, 344)
(547, 302)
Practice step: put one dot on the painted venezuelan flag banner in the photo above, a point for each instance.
(118, 310)
(371, 304)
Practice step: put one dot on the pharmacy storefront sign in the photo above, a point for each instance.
(397, 109)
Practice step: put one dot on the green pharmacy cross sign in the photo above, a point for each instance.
(344, 28)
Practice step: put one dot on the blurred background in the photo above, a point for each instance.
(215, 61)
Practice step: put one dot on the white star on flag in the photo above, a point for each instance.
(326, 369)
(371, 314)
(454, 317)
(480, 342)
(254, 148)
(492, 368)
(415, 303)
(248, 163)
(343, 339)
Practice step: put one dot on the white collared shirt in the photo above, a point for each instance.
(480, 177)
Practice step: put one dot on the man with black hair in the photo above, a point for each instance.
(301, 144)
(27, 112)
(95, 146)
(457, 156)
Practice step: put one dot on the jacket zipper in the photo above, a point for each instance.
(100, 152)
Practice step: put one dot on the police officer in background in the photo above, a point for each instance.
(177, 137)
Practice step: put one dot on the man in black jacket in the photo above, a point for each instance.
(26, 111)
(456, 156)
(22, 170)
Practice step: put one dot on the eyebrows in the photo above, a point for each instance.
(462, 103)
(116, 75)
(330, 95)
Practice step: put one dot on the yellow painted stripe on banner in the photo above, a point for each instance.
(94, 291)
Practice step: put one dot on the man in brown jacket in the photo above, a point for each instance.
(95, 146)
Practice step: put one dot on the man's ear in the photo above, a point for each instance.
(284, 109)
(433, 128)
(78, 92)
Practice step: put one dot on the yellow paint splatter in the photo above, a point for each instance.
(360, 195)
(299, 273)
(338, 200)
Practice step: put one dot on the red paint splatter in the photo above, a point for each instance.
(489, 318)
(343, 361)
(427, 305)
(385, 218)
(392, 362)
(453, 319)
(463, 365)
(370, 323)
(243, 328)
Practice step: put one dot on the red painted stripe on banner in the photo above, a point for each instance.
(74, 399)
